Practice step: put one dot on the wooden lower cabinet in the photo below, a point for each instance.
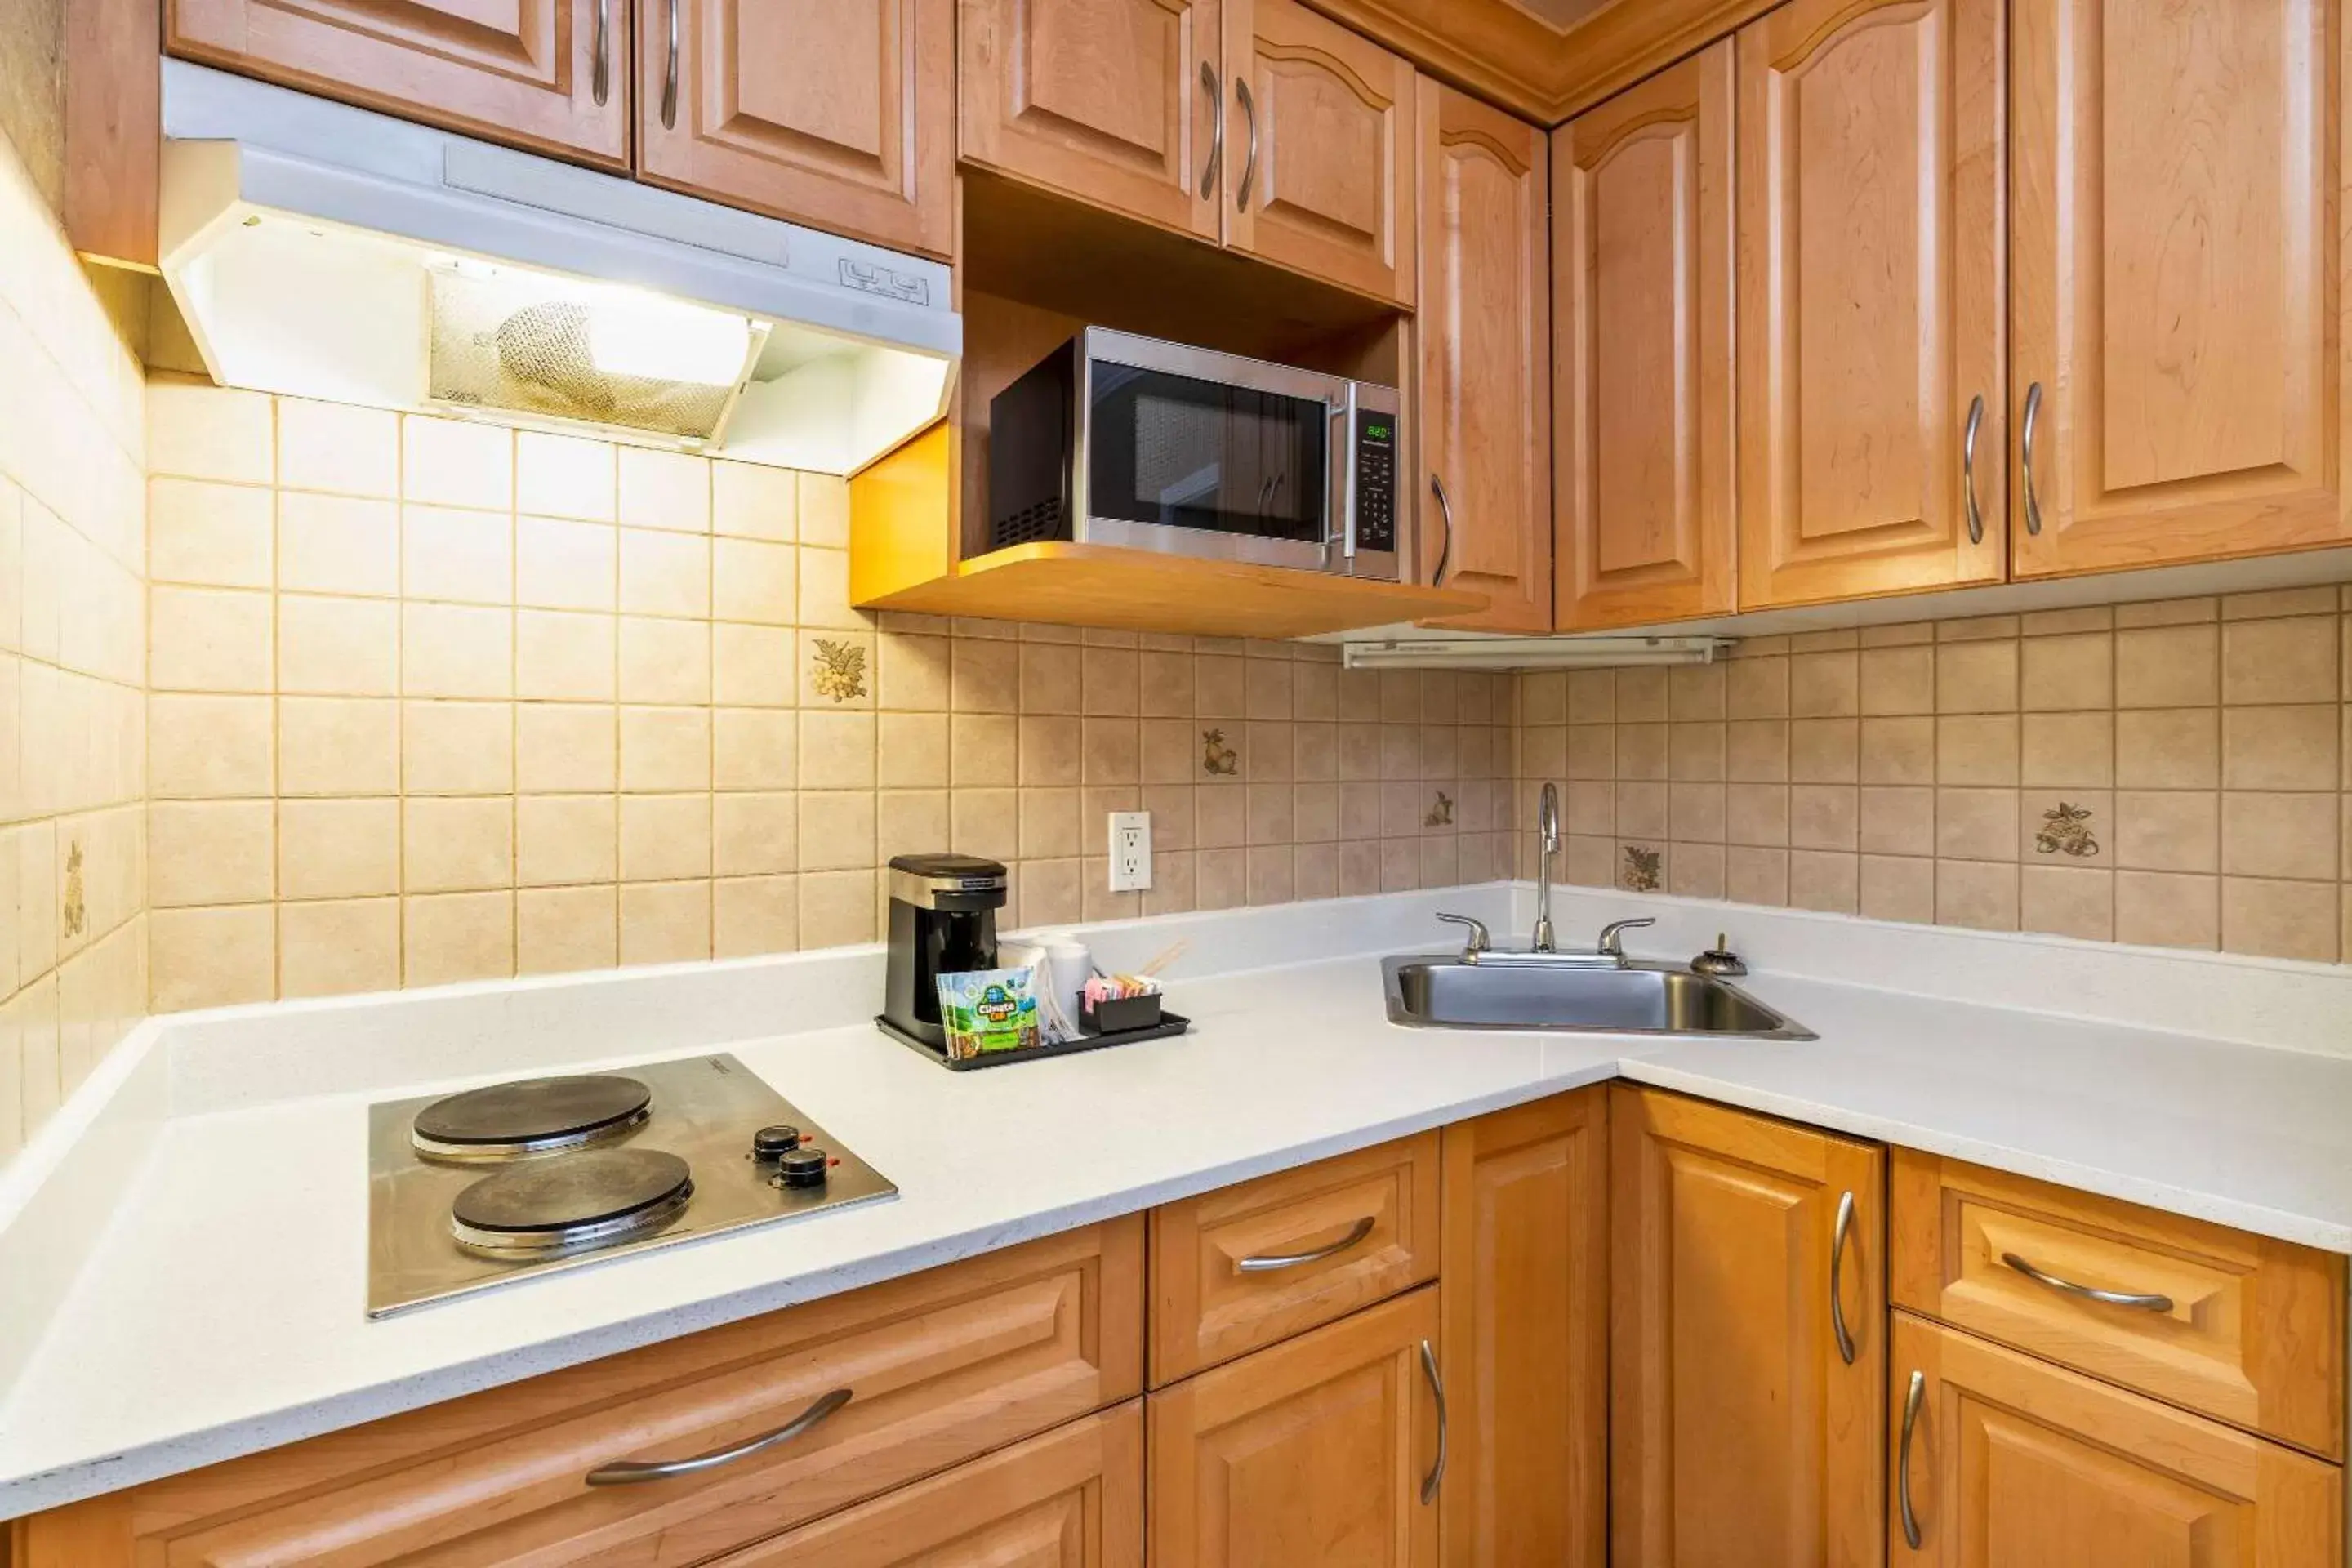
(1747, 1351)
(1315, 1451)
(2015, 1463)
(1071, 1498)
(1526, 1341)
(941, 1367)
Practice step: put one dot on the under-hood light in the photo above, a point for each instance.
(1533, 653)
(665, 340)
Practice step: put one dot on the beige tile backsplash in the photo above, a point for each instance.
(2171, 774)
(73, 870)
(436, 701)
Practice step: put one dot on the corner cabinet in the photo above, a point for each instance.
(1526, 1341)
(835, 113)
(1747, 1338)
(1484, 494)
(1870, 299)
(2177, 368)
(551, 75)
(1645, 446)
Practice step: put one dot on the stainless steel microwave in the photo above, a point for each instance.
(1118, 439)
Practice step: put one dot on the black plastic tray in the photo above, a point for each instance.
(1170, 1024)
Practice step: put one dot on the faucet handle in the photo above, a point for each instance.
(1610, 943)
(1478, 940)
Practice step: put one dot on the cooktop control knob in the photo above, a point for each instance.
(804, 1168)
(773, 1142)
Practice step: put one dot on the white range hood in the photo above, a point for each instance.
(322, 251)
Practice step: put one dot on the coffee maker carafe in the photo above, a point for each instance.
(942, 922)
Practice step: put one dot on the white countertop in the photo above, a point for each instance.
(218, 1309)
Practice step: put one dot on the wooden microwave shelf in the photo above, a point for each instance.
(1141, 590)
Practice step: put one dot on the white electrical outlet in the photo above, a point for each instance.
(1130, 851)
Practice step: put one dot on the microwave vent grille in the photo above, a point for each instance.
(1038, 521)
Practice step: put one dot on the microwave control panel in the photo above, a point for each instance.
(1375, 480)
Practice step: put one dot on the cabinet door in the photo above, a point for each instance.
(551, 75)
(1318, 148)
(1870, 299)
(1103, 100)
(1741, 1434)
(2014, 1463)
(1527, 1335)
(1642, 350)
(1486, 382)
(835, 113)
(1315, 1450)
(2175, 268)
(1071, 1498)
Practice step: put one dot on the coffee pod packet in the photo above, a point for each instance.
(983, 1010)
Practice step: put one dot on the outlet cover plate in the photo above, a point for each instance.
(1130, 851)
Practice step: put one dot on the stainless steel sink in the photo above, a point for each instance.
(1442, 991)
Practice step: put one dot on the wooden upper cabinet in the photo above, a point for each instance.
(551, 75)
(1104, 101)
(2176, 278)
(838, 114)
(1318, 148)
(1485, 496)
(1642, 270)
(1747, 1349)
(2013, 1461)
(1315, 1450)
(1869, 298)
(1526, 1344)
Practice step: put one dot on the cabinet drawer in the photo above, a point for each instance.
(2246, 1330)
(1245, 1266)
(2006, 1461)
(1071, 1498)
(940, 1366)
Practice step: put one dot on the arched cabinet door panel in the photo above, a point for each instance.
(1870, 299)
(1643, 356)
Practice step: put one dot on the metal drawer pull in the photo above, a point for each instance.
(1445, 511)
(1437, 1388)
(2151, 1303)
(1267, 1262)
(602, 76)
(629, 1470)
(669, 75)
(2025, 454)
(1968, 469)
(1216, 163)
(1837, 1269)
(1911, 1398)
(1249, 164)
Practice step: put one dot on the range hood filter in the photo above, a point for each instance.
(497, 345)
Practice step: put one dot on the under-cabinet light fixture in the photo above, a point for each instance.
(1533, 653)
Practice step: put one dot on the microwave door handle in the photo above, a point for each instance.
(1345, 492)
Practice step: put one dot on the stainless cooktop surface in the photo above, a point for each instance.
(474, 1190)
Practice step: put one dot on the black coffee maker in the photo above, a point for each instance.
(942, 922)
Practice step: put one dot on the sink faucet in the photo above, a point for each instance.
(1546, 846)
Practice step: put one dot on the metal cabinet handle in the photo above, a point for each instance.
(1911, 1398)
(1216, 164)
(1838, 1234)
(2146, 1304)
(1249, 164)
(1437, 1389)
(1445, 511)
(1267, 1263)
(669, 74)
(601, 75)
(1968, 469)
(629, 1470)
(2025, 453)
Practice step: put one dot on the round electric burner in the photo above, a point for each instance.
(534, 1116)
(596, 1197)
